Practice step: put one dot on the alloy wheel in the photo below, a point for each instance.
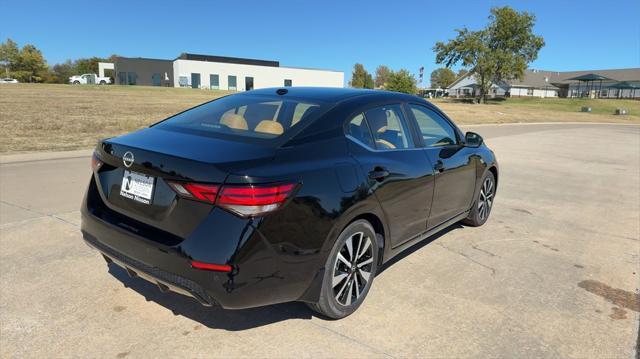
(352, 269)
(486, 198)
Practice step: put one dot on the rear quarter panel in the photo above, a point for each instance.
(332, 192)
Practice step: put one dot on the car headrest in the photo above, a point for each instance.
(377, 119)
(234, 121)
(269, 126)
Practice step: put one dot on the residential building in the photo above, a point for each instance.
(538, 83)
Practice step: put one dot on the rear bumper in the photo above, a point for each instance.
(164, 280)
(263, 272)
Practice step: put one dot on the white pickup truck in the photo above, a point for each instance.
(85, 79)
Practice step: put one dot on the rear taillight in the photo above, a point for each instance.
(253, 200)
(243, 200)
(198, 191)
(95, 162)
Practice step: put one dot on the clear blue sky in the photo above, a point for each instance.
(587, 34)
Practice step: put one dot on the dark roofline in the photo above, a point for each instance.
(227, 60)
(140, 58)
(589, 77)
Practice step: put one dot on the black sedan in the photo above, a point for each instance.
(277, 195)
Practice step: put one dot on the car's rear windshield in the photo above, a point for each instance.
(253, 116)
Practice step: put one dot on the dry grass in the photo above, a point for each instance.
(37, 117)
(540, 110)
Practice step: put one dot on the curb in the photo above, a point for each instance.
(44, 156)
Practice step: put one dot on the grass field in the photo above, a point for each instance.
(38, 117)
(540, 110)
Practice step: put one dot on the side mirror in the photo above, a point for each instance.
(472, 139)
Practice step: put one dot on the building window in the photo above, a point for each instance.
(122, 78)
(232, 83)
(183, 81)
(288, 83)
(156, 80)
(248, 83)
(214, 82)
(616, 92)
(529, 92)
(132, 77)
(195, 80)
(604, 93)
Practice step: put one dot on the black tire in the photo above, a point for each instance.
(103, 82)
(341, 304)
(483, 202)
(76, 82)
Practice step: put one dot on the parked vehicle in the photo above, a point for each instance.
(8, 80)
(89, 79)
(277, 195)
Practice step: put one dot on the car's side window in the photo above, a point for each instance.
(435, 130)
(359, 130)
(389, 128)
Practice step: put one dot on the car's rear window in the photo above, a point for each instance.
(254, 116)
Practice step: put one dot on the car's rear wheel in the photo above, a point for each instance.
(76, 82)
(484, 201)
(103, 82)
(349, 271)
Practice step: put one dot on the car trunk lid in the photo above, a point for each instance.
(133, 180)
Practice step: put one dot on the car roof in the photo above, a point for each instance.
(325, 94)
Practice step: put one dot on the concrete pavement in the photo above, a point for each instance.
(554, 273)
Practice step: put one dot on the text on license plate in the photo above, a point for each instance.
(137, 186)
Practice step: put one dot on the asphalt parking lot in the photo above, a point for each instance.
(554, 273)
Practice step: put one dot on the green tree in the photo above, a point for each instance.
(33, 66)
(442, 77)
(26, 64)
(360, 78)
(9, 57)
(382, 76)
(401, 81)
(60, 73)
(499, 52)
(461, 72)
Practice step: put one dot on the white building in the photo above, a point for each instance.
(219, 72)
(211, 72)
(538, 83)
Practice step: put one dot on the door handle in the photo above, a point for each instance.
(439, 166)
(378, 174)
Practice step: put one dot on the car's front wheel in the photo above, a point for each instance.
(349, 271)
(484, 201)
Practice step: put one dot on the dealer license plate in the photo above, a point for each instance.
(137, 186)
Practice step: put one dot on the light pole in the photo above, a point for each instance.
(546, 83)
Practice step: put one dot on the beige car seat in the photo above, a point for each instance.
(234, 121)
(269, 126)
(378, 121)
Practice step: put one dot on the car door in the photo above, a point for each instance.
(453, 164)
(396, 170)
